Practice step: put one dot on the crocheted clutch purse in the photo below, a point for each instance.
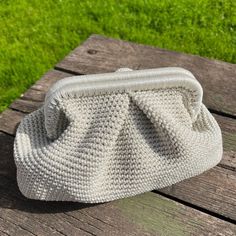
(107, 136)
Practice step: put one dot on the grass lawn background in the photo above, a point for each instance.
(35, 35)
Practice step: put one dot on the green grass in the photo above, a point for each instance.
(34, 35)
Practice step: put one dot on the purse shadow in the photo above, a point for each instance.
(10, 195)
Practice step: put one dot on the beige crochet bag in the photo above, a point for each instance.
(102, 137)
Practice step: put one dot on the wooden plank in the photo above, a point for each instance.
(99, 54)
(7, 164)
(229, 160)
(48, 79)
(214, 190)
(34, 95)
(145, 214)
(228, 127)
(33, 98)
(25, 106)
(17, 221)
(142, 207)
(38, 90)
(9, 121)
(9, 228)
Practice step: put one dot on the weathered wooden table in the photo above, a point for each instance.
(203, 205)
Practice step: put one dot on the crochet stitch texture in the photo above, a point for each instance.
(103, 137)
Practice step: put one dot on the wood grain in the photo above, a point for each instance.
(48, 79)
(228, 128)
(229, 160)
(25, 106)
(7, 164)
(214, 190)
(99, 54)
(9, 121)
